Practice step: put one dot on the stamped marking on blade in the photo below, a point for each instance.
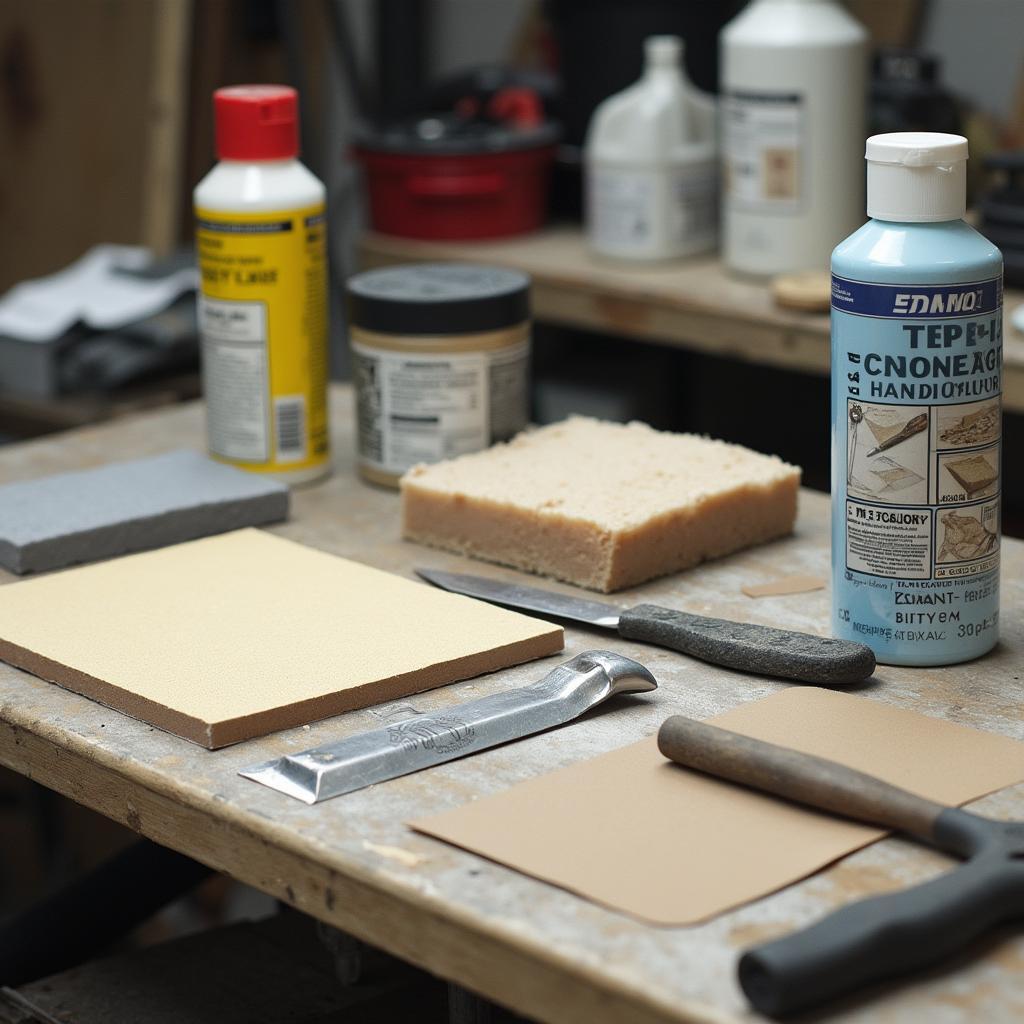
(394, 710)
(410, 736)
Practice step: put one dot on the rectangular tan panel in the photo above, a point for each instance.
(235, 636)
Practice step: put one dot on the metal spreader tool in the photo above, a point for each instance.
(883, 936)
(746, 646)
(423, 741)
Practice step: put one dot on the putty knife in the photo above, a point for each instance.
(875, 938)
(423, 741)
(741, 645)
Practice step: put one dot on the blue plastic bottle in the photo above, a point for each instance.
(916, 417)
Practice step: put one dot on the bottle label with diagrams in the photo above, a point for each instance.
(917, 386)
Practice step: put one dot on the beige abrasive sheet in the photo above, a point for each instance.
(235, 636)
(671, 846)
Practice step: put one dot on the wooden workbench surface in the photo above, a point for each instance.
(692, 304)
(352, 861)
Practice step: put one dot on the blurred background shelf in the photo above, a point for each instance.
(692, 304)
(23, 416)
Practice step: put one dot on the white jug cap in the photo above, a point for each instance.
(917, 176)
(661, 51)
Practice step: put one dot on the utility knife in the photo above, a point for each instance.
(748, 647)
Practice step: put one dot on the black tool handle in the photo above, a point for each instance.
(749, 647)
(880, 938)
(876, 938)
(804, 778)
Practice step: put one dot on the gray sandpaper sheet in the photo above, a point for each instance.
(115, 509)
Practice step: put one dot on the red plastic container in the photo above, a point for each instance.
(431, 190)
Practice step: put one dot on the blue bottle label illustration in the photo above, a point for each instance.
(917, 390)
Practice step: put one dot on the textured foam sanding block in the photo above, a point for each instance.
(129, 506)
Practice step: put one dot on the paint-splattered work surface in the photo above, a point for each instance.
(547, 953)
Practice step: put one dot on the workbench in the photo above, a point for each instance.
(692, 304)
(352, 861)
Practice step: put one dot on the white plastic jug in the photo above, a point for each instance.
(794, 85)
(651, 171)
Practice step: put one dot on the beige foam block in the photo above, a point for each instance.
(230, 637)
(602, 505)
(672, 846)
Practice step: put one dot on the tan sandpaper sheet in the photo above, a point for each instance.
(785, 585)
(670, 846)
(235, 636)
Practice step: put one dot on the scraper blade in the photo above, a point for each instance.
(423, 741)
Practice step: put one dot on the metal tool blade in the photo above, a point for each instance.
(427, 740)
(525, 599)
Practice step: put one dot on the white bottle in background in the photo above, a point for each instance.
(650, 162)
(794, 93)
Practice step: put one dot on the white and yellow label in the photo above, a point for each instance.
(263, 325)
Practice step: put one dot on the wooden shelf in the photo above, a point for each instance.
(692, 304)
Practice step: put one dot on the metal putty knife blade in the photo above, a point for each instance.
(530, 599)
(427, 740)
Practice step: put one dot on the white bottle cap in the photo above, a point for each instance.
(917, 176)
(662, 51)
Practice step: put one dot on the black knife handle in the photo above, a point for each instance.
(763, 650)
(881, 937)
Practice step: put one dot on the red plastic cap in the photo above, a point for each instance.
(256, 122)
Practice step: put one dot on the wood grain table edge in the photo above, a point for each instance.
(526, 977)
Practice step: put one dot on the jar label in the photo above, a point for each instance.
(916, 393)
(425, 407)
(263, 326)
(763, 150)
